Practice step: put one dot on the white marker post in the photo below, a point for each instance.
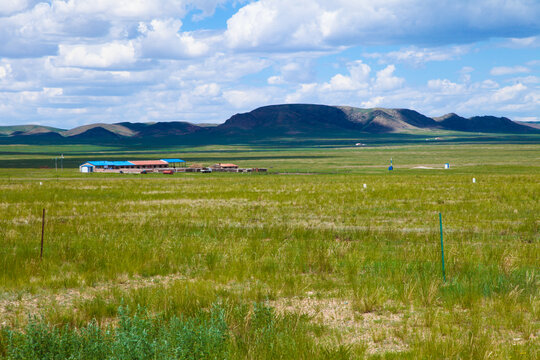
(474, 180)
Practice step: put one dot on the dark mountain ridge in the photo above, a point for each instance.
(489, 124)
(164, 129)
(290, 119)
(97, 132)
(274, 121)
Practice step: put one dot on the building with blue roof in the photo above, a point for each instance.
(129, 166)
(174, 162)
(92, 166)
(110, 163)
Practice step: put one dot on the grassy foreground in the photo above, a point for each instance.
(303, 262)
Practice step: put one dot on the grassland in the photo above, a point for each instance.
(302, 262)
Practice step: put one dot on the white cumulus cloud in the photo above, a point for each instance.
(527, 42)
(242, 99)
(134, 9)
(275, 80)
(163, 39)
(8, 7)
(5, 71)
(446, 86)
(306, 91)
(109, 55)
(386, 80)
(288, 24)
(508, 92)
(358, 78)
(508, 70)
(419, 56)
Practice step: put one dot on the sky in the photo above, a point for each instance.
(66, 63)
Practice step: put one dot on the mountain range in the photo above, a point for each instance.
(271, 121)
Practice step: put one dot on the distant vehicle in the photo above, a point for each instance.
(206, 170)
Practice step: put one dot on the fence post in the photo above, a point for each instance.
(442, 248)
(42, 233)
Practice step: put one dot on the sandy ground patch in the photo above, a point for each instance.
(373, 329)
(13, 304)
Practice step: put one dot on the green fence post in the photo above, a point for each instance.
(442, 248)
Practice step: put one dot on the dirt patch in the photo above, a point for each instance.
(375, 330)
(12, 304)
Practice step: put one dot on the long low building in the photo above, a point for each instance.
(129, 166)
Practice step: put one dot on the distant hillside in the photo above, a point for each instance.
(290, 120)
(135, 127)
(535, 124)
(95, 134)
(27, 129)
(489, 124)
(113, 128)
(49, 137)
(296, 119)
(165, 129)
(388, 120)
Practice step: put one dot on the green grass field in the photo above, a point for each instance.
(302, 262)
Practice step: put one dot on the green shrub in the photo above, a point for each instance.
(138, 336)
(233, 332)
